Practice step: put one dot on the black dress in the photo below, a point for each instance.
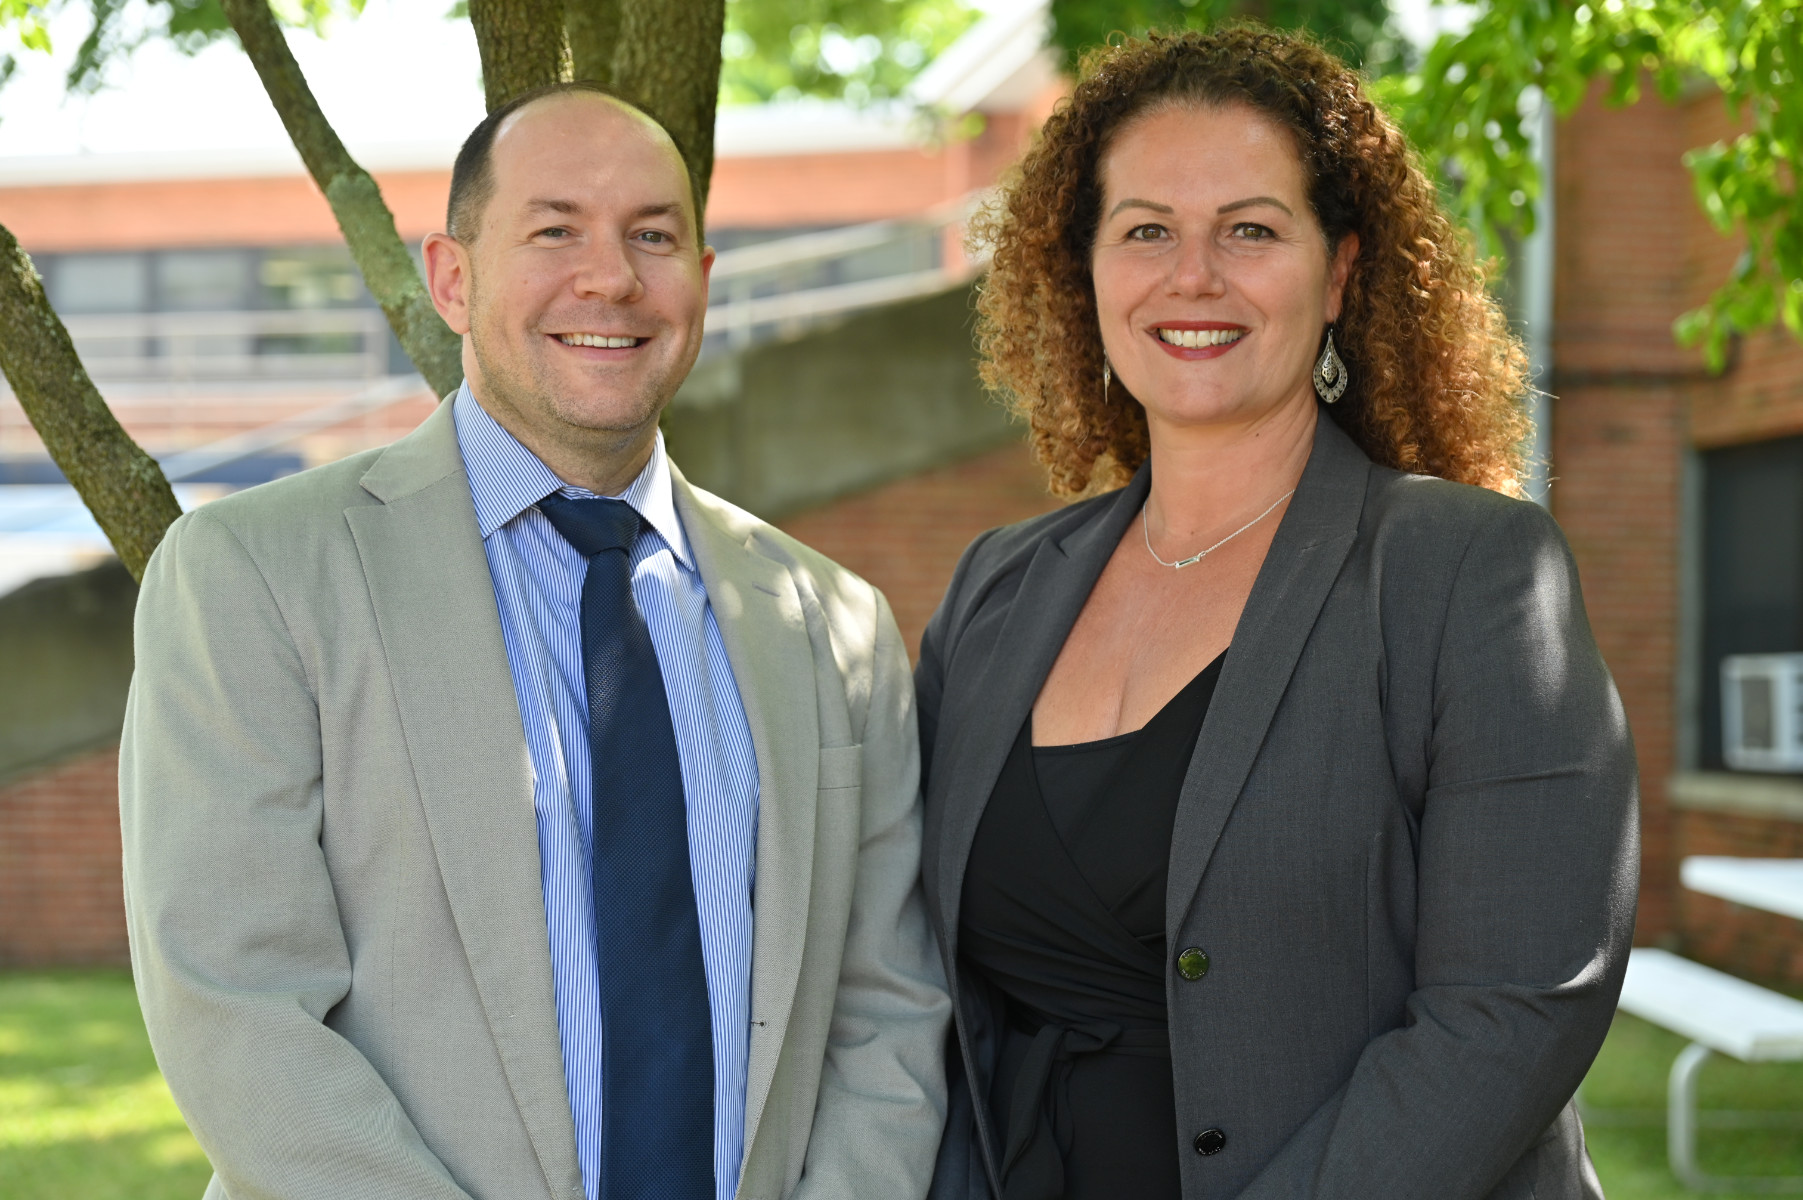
(1063, 915)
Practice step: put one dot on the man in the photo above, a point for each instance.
(504, 817)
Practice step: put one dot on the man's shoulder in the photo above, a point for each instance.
(273, 522)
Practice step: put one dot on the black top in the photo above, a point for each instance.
(1064, 915)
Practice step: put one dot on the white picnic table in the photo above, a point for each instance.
(1773, 884)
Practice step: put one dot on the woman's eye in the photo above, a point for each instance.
(1248, 231)
(1146, 233)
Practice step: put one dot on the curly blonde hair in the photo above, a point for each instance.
(1438, 381)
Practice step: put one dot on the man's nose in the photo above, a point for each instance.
(607, 272)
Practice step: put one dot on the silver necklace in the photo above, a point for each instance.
(1193, 559)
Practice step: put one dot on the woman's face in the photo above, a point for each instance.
(1212, 279)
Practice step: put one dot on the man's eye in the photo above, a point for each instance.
(556, 232)
(656, 237)
(1146, 233)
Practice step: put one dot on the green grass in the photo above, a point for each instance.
(84, 1113)
(83, 1110)
(1625, 1125)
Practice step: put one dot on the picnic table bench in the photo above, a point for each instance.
(1719, 1013)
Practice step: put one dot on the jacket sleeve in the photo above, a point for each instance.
(235, 939)
(882, 1088)
(1527, 867)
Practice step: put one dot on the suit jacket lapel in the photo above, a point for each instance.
(764, 629)
(1304, 560)
(987, 711)
(435, 607)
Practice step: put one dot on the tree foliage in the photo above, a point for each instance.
(1471, 103)
(858, 50)
(1358, 30)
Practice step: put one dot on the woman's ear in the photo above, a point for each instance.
(1339, 270)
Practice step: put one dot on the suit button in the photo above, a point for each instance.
(1192, 964)
(1210, 1141)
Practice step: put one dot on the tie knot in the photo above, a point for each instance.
(592, 524)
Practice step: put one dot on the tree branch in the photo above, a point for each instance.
(668, 60)
(594, 30)
(121, 485)
(356, 201)
(521, 43)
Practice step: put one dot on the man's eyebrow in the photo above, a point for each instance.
(1252, 200)
(669, 208)
(568, 208)
(1130, 202)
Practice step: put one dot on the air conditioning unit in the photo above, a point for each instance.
(1762, 712)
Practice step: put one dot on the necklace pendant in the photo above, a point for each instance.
(1191, 561)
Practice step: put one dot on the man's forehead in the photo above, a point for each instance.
(552, 124)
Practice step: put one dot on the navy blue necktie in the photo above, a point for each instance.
(657, 1072)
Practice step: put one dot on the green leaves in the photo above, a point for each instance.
(1357, 30)
(1465, 109)
(858, 50)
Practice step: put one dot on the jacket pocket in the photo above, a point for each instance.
(841, 767)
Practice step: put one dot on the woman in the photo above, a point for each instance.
(1280, 811)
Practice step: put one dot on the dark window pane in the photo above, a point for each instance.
(1752, 571)
(311, 277)
(203, 280)
(98, 283)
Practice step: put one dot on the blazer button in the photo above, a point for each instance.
(1192, 964)
(1210, 1141)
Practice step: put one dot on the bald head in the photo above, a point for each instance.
(473, 175)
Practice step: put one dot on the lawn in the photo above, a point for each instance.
(83, 1112)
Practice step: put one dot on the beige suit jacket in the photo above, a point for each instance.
(331, 855)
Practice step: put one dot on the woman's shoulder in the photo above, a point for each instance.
(1422, 514)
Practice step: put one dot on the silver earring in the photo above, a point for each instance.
(1107, 378)
(1330, 373)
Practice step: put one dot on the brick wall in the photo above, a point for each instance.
(906, 537)
(60, 897)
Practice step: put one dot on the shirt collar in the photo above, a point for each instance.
(506, 479)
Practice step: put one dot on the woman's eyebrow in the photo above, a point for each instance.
(1132, 203)
(1250, 201)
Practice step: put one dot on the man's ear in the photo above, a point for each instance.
(448, 279)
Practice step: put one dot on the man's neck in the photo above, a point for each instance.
(602, 461)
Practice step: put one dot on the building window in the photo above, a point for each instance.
(1752, 566)
(98, 283)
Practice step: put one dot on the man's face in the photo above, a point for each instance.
(583, 291)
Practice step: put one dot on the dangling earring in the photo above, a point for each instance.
(1330, 372)
(1107, 378)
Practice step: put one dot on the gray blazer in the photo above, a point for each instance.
(1407, 840)
(332, 869)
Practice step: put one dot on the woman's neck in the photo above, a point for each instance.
(1209, 477)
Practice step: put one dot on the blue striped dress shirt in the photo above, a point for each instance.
(538, 588)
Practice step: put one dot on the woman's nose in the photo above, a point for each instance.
(1194, 270)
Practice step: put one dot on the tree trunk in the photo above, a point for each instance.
(121, 485)
(594, 30)
(521, 43)
(668, 61)
(368, 226)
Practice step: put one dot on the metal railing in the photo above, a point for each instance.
(782, 287)
(343, 343)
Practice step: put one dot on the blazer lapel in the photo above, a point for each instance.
(435, 607)
(1304, 560)
(764, 629)
(992, 706)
